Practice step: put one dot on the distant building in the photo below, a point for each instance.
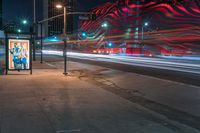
(55, 26)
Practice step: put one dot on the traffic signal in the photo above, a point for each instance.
(93, 16)
(110, 44)
(84, 34)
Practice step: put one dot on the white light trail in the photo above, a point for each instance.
(160, 63)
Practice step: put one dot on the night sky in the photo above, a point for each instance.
(15, 10)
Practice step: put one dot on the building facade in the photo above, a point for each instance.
(55, 26)
(144, 27)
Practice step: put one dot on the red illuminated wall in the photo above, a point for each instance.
(173, 26)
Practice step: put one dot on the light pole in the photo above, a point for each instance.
(34, 29)
(19, 30)
(59, 6)
(105, 26)
(145, 25)
(41, 42)
(34, 12)
(24, 22)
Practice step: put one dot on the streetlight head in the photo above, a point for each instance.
(104, 25)
(110, 44)
(59, 6)
(84, 34)
(24, 22)
(19, 30)
(146, 24)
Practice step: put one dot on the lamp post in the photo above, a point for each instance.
(145, 25)
(41, 42)
(59, 6)
(24, 22)
(34, 11)
(34, 29)
(19, 30)
(104, 25)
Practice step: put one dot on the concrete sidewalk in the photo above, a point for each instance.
(91, 99)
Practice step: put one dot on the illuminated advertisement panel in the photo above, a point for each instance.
(18, 54)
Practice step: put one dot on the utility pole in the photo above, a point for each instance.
(65, 41)
(34, 11)
(41, 42)
(34, 28)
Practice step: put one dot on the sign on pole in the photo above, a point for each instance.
(83, 17)
(19, 54)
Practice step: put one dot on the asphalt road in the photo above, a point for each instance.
(184, 71)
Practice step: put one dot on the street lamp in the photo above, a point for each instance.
(104, 25)
(41, 42)
(34, 29)
(19, 30)
(24, 22)
(145, 25)
(59, 6)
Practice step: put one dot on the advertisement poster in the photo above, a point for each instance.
(19, 54)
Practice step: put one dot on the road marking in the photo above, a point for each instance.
(68, 131)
